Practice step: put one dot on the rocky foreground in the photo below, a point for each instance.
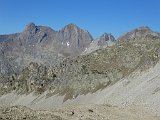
(80, 112)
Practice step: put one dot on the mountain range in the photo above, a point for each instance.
(42, 44)
(42, 68)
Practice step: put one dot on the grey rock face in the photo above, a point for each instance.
(41, 44)
(139, 32)
(22, 48)
(36, 34)
(105, 38)
(72, 40)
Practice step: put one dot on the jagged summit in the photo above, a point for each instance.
(73, 28)
(107, 37)
(73, 39)
(104, 41)
(30, 26)
(71, 25)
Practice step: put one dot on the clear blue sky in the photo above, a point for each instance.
(96, 16)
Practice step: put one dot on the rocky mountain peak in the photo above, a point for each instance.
(72, 25)
(71, 28)
(34, 34)
(104, 41)
(30, 26)
(138, 32)
(73, 39)
(107, 37)
(143, 28)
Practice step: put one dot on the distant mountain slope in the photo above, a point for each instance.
(87, 73)
(138, 32)
(37, 73)
(104, 41)
(125, 75)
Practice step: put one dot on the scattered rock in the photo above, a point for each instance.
(90, 110)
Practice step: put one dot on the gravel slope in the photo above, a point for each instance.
(80, 112)
(139, 90)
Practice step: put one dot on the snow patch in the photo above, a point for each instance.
(86, 49)
(67, 43)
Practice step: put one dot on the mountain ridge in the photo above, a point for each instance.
(42, 44)
(41, 68)
(138, 32)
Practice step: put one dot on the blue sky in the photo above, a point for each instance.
(96, 16)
